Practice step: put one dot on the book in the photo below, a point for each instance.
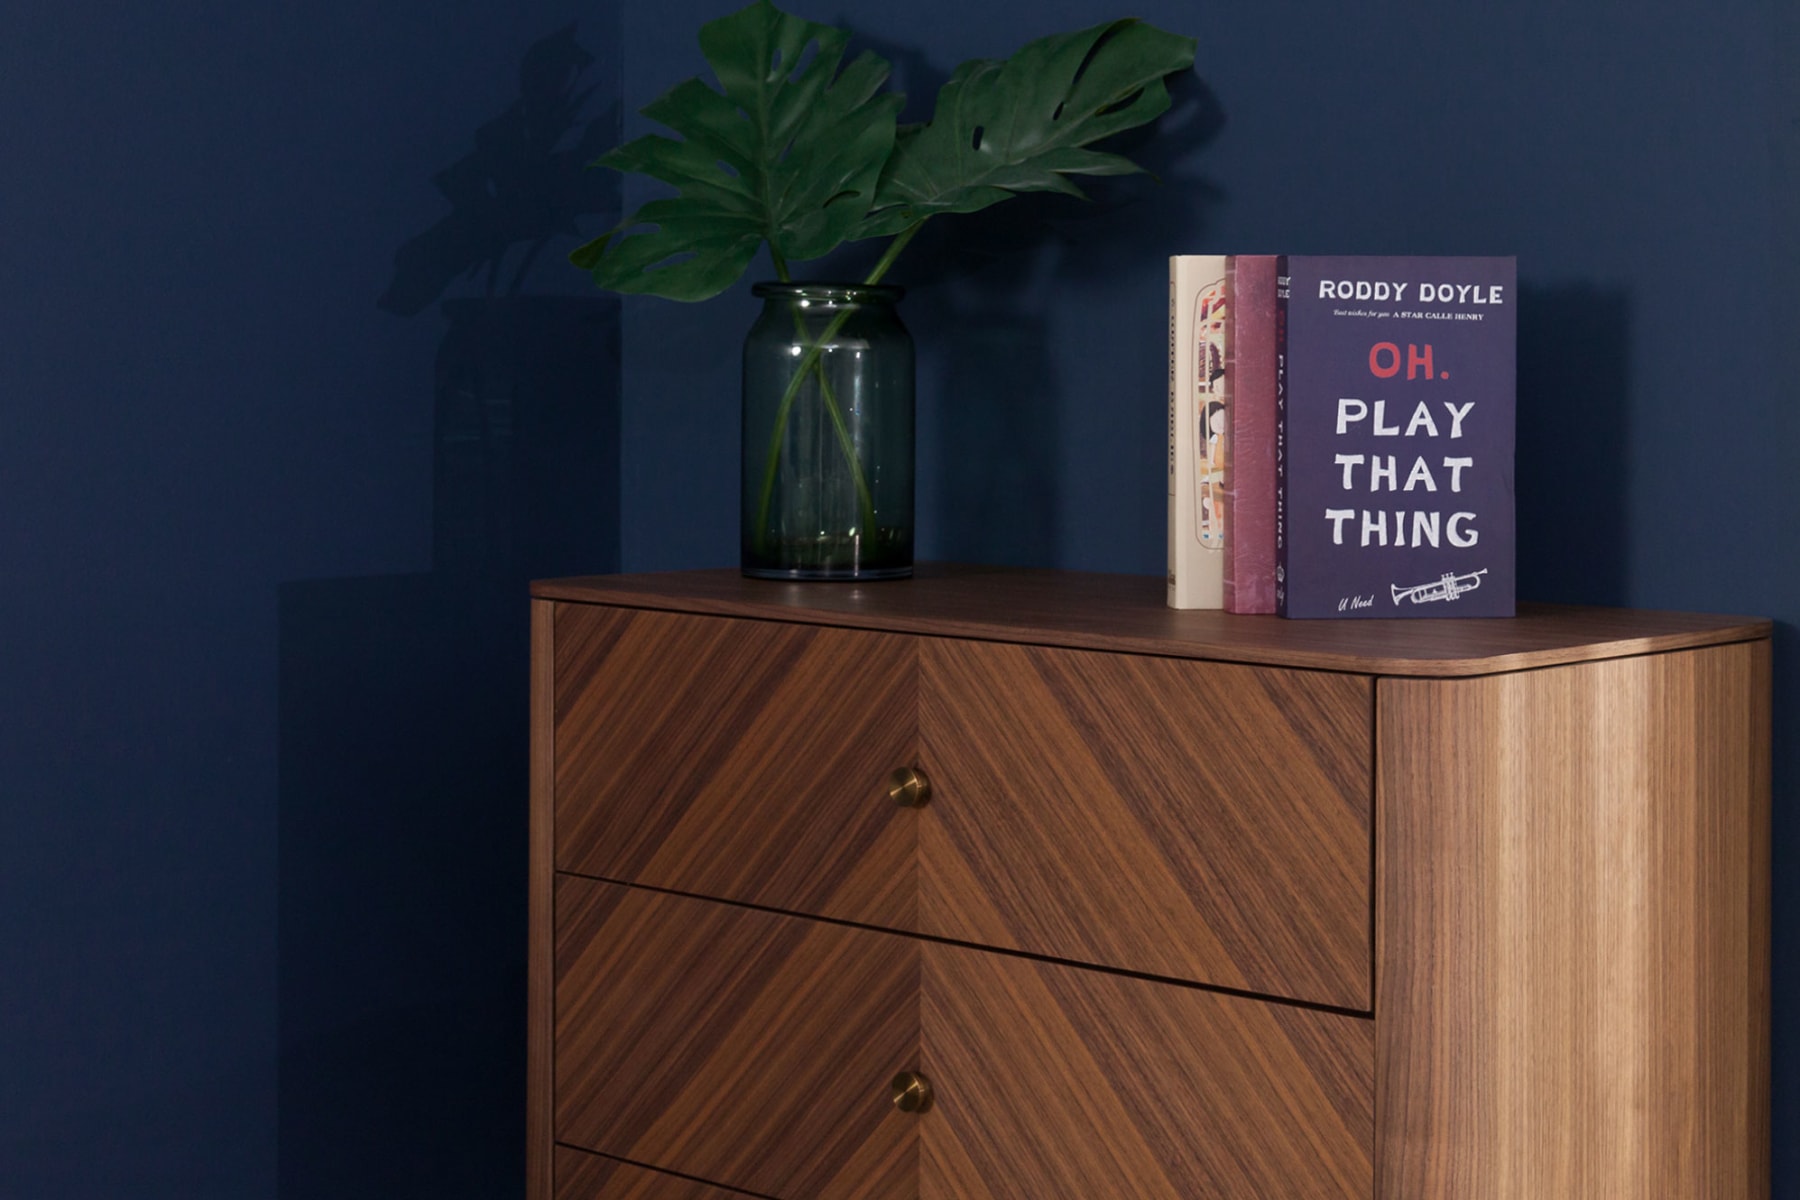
(1199, 404)
(1249, 582)
(1394, 443)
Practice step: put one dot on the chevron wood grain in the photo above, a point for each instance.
(741, 759)
(1202, 821)
(1573, 924)
(583, 1176)
(1058, 1083)
(754, 1049)
(733, 1044)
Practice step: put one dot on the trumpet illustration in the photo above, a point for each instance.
(1211, 412)
(1447, 587)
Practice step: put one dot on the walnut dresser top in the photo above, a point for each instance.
(1126, 614)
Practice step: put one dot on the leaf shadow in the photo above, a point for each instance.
(525, 183)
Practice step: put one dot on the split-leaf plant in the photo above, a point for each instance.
(800, 151)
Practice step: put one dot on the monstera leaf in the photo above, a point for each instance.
(1025, 124)
(790, 152)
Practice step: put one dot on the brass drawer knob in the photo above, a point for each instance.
(912, 1092)
(909, 788)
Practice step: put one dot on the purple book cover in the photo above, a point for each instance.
(1395, 446)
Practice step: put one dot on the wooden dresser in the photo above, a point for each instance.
(1005, 883)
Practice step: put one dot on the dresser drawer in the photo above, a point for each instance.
(1197, 820)
(584, 1176)
(1200, 821)
(732, 1044)
(742, 759)
(757, 1050)
(1059, 1083)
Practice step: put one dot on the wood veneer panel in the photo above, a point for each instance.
(1127, 613)
(733, 1044)
(1057, 1083)
(538, 1028)
(1573, 931)
(584, 1176)
(1202, 821)
(741, 759)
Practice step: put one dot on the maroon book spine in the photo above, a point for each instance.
(1250, 488)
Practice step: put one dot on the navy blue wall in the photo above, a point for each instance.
(273, 474)
(261, 698)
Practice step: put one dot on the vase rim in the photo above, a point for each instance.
(829, 292)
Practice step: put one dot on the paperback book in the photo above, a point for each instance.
(1199, 403)
(1394, 447)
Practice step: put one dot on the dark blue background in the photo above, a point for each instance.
(263, 542)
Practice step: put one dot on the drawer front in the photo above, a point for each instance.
(756, 1050)
(1058, 1083)
(583, 1176)
(742, 759)
(735, 1045)
(1201, 821)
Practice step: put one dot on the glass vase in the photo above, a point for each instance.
(828, 434)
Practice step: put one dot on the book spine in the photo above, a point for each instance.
(1197, 404)
(1228, 489)
(1250, 488)
(1281, 435)
(1174, 436)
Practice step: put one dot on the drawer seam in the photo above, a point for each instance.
(1049, 959)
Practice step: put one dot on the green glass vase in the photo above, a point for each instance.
(828, 434)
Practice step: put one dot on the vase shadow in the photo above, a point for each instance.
(402, 702)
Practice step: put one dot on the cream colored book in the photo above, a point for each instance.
(1199, 414)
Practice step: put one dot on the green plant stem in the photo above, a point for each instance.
(808, 362)
(865, 501)
(893, 251)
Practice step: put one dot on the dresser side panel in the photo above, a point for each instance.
(540, 1082)
(1572, 931)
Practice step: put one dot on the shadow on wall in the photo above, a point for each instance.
(403, 722)
(525, 183)
(981, 291)
(1574, 407)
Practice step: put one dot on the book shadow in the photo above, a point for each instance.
(1571, 474)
